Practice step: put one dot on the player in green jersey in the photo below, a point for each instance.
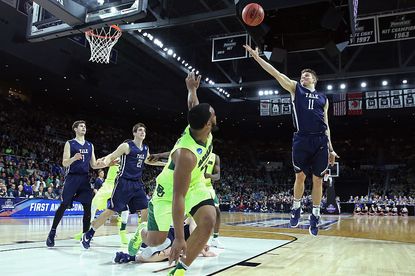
(181, 188)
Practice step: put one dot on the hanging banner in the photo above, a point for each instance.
(396, 99)
(365, 32)
(286, 105)
(398, 26)
(408, 96)
(264, 108)
(371, 100)
(384, 100)
(276, 107)
(355, 103)
(339, 104)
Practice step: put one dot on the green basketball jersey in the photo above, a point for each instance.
(209, 169)
(112, 174)
(202, 152)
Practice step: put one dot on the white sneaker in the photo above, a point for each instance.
(216, 243)
(149, 251)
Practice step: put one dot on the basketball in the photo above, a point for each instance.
(253, 14)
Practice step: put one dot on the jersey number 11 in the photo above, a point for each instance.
(310, 104)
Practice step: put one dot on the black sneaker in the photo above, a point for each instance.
(50, 241)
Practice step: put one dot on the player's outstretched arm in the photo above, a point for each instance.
(184, 161)
(67, 160)
(152, 161)
(124, 148)
(332, 154)
(286, 83)
(192, 84)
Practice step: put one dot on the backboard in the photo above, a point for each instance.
(49, 19)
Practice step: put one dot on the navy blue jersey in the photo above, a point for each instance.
(308, 110)
(132, 164)
(80, 166)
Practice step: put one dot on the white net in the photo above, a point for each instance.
(101, 42)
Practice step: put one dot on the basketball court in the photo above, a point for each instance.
(254, 243)
(349, 245)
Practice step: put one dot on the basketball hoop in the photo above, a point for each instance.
(101, 42)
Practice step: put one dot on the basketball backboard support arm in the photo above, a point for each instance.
(49, 24)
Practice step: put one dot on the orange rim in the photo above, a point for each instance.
(90, 33)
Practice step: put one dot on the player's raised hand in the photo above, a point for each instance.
(192, 82)
(254, 53)
(332, 157)
(178, 248)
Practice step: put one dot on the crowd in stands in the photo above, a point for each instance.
(31, 151)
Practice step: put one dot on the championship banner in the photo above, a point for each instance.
(264, 108)
(365, 32)
(276, 107)
(384, 100)
(229, 47)
(15, 207)
(355, 103)
(409, 95)
(398, 26)
(371, 100)
(286, 105)
(396, 99)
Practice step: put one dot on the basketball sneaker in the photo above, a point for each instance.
(295, 217)
(177, 271)
(313, 229)
(50, 241)
(149, 251)
(123, 236)
(136, 240)
(216, 243)
(121, 258)
(86, 240)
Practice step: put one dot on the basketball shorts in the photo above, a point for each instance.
(100, 200)
(310, 154)
(128, 195)
(214, 196)
(160, 215)
(76, 188)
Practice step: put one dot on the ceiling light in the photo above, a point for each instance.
(329, 87)
(385, 82)
(404, 81)
(169, 52)
(363, 84)
(342, 86)
(197, 72)
(260, 93)
(178, 58)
